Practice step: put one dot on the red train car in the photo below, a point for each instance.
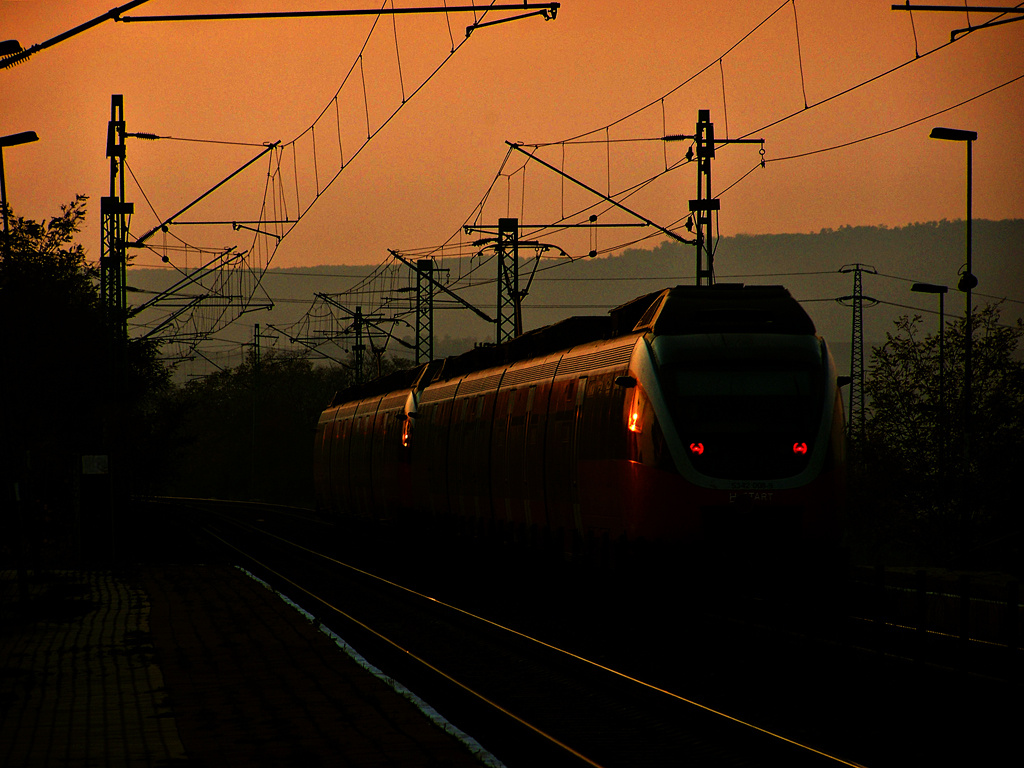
(696, 417)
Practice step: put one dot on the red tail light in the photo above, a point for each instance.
(697, 448)
(800, 448)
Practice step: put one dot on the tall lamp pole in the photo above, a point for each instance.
(967, 279)
(966, 284)
(12, 140)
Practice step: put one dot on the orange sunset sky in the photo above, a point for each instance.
(423, 174)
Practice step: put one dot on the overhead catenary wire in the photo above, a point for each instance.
(588, 137)
(265, 242)
(799, 55)
(872, 136)
(193, 140)
(673, 90)
(849, 90)
(450, 246)
(579, 138)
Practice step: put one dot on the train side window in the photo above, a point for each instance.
(529, 398)
(511, 402)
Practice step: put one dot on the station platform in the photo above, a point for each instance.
(195, 665)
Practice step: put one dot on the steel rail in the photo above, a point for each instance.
(489, 622)
(402, 649)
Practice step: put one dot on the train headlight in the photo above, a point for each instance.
(637, 410)
(634, 421)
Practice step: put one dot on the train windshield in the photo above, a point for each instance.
(746, 406)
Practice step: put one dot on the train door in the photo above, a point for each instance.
(341, 452)
(430, 450)
(535, 505)
(322, 458)
(517, 471)
(519, 430)
(463, 409)
(561, 472)
(599, 454)
(388, 477)
(469, 479)
(361, 459)
(574, 464)
(502, 443)
(479, 458)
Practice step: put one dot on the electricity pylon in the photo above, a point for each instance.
(855, 423)
(115, 212)
(424, 311)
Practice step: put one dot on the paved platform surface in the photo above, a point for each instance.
(193, 665)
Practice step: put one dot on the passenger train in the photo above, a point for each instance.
(699, 419)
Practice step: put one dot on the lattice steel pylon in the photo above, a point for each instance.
(510, 314)
(114, 213)
(855, 422)
(424, 311)
(358, 347)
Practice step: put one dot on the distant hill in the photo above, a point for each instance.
(807, 264)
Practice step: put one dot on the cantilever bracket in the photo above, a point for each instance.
(236, 226)
(549, 12)
(1000, 9)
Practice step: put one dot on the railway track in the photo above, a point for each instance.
(539, 667)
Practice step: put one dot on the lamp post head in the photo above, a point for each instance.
(953, 134)
(928, 288)
(15, 139)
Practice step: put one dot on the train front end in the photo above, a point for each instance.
(740, 401)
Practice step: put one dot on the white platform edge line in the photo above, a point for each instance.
(435, 717)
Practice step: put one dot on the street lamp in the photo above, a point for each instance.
(12, 140)
(967, 280)
(941, 291)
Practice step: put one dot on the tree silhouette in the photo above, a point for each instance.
(247, 432)
(56, 352)
(932, 473)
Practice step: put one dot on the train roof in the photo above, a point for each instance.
(724, 308)
(684, 309)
